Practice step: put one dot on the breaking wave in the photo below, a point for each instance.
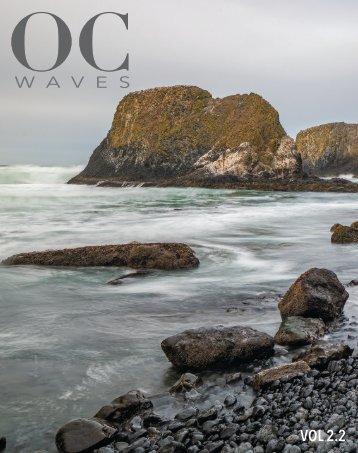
(32, 174)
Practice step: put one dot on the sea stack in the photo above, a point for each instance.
(182, 132)
(329, 149)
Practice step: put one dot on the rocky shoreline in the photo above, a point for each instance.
(308, 404)
(309, 184)
(307, 409)
(316, 411)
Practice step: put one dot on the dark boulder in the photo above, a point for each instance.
(124, 407)
(320, 354)
(296, 331)
(84, 435)
(344, 234)
(216, 347)
(315, 294)
(166, 256)
(2, 443)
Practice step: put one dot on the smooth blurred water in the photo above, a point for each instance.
(69, 343)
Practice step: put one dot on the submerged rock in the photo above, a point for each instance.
(344, 234)
(137, 255)
(124, 407)
(216, 347)
(267, 377)
(315, 294)
(2, 443)
(320, 354)
(296, 331)
(84, 435)
(329, 149)
(186, 382)
(132, 275)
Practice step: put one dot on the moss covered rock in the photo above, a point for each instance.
(161, 133)
(329, 149)
(344, 234)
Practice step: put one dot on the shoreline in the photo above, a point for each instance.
(313, 184)
(291, 414)
(300, 405)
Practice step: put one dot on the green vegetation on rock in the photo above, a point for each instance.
(161, 132)
(330, 149)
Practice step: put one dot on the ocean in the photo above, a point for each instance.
(70, 344)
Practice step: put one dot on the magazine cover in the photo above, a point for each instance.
(179, 226)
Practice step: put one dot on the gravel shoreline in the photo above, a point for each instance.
(310, 412)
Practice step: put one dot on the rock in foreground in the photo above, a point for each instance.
(267, 377)
(297, 331)
(216, 347)
(124, 407)
(320, 354)
(344, 234)
(84, 435)
(165, 256)
(315, 294)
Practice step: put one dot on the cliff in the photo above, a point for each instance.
(330, 149)
(163, 134)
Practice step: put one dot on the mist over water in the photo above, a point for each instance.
(69, 343)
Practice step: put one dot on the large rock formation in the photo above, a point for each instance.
(165, 133)
(330, 149)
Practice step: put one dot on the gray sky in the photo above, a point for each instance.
(302, 56)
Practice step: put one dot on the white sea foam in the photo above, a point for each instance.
(32, 174)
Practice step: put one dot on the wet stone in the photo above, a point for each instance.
(186, 414)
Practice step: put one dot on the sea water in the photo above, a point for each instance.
(69, 343)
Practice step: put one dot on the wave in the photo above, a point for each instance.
(32, 174)
(351, 178)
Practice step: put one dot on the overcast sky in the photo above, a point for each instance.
(302, 56)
